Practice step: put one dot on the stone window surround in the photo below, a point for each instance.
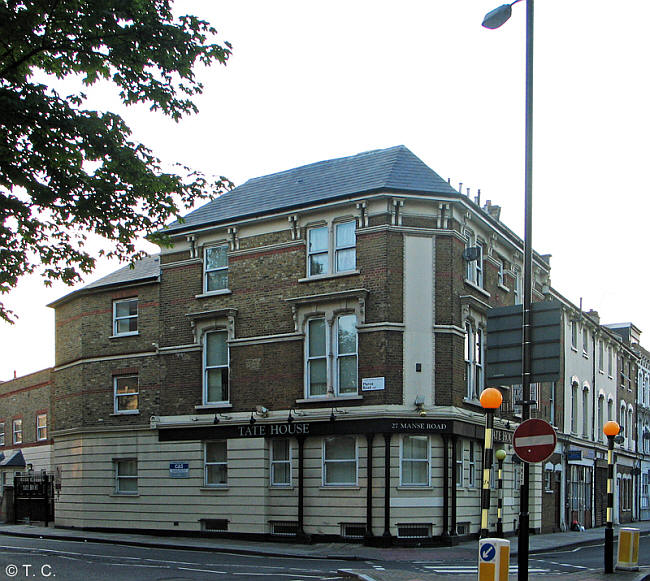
(331, 245)
(329, 306)
(213, 320)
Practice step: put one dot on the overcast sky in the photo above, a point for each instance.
(312, 80)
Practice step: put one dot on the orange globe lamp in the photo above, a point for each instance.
(611, 428)
(491, 398)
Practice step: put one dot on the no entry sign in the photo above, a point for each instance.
(534, 440)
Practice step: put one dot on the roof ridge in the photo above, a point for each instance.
(322, 162)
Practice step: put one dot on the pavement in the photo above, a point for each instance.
(365, 563)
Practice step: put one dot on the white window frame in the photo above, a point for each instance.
(500, 272)
(610, 361)
(17, 431)
(474, 360)
(460, 464)
(472, 464)
(585, 411)
(285, 462)
(334, 246)
(118, 396)
(340, 246)
(2, 433)
(474, 271)
(601, 356)
(41, 427)
(118, 318)
(574, 335)
(574, 407)
(207, 368)
(207, 271)
(223, 463)
(601, 417)
(404, 460)
(332, 356)
(326, 462)
(119, 478)
(585, 341)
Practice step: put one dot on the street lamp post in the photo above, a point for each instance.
(611, 430)
(492, 20)
(490, 399)
(501, 455)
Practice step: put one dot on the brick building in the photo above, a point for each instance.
(25, 417)
(305, 360)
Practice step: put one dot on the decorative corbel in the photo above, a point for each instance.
(234, 240)
(396, 213)
(362, 219)
(293, 225)
(192, 240)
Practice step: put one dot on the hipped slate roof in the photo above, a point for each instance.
(145, 269)
(392, 169)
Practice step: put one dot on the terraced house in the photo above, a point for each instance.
(305, 361)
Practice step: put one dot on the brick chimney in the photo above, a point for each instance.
(493, 211)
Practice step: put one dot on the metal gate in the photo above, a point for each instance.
(34, 498)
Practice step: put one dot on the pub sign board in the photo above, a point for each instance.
(306, 429)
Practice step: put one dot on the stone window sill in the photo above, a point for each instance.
(328, 276)
(216, 293)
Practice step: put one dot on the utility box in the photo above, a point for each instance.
(493, 559)
(628, 549)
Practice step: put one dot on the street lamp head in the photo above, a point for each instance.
(500, 454)
(498, 16)
(491, 398)
(611, 428)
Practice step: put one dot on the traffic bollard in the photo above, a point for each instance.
(493, 559)
(628, 549)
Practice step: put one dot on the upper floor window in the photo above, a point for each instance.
(585, 340)
(601, 420)
(126, 393)
(585, 411)
(609, 361)
(215, 268)
(601, 356)
(126, 475)
(215, 367)
(474, 353)
(500, 272)
(41, 427)
(474, 273)
(332, 356)
(574, 407)
(415, 461)
(216, 463)
(340, 461)
(574, 334)
(125, 317)
(341, 252)
(17, 429)
(2, 434)
(281, 462)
